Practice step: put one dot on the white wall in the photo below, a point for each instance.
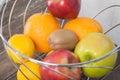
(2, 2)
(107, 19)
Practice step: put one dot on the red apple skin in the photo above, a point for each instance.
(65, 9)
(61, 57)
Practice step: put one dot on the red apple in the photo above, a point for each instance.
(60, 57)
(65, 9)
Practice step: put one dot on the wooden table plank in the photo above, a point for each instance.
(6, 68)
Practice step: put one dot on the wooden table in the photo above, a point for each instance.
(8, 71)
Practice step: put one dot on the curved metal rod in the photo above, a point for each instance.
(6, 45)
(3, 12)
(10, 16)
(63, 65)
(17, 53)
(15, 65)
(73, 64)
(20, 62)
(26, 9)
(59, 65)
(111, 28)
(10, 35)
(105, 10)
(26, 12)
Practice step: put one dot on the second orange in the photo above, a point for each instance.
(38, 27)
(83, 26)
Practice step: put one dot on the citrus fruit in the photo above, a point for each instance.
(38, 27)
(23, 44)
(82, 26)
(25, 72)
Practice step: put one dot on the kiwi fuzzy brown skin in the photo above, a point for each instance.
(62, 39)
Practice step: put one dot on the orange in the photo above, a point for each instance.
(23, 44)
(34, 75)
(38, 27)
(83, 26)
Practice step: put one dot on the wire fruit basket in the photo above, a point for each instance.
(16, 15)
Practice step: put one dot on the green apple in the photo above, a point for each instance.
(93, 46)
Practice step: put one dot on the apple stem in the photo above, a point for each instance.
(88, 58)
(114, 51)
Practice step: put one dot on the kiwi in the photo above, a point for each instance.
(62, 39)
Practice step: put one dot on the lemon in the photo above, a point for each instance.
(23, 44)
(34, 75)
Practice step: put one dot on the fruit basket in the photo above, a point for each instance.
(35, 66)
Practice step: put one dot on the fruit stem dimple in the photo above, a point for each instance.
(88, 58)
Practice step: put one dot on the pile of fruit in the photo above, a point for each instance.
(81, 39)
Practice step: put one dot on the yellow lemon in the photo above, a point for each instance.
(23, 44)
(34, 75)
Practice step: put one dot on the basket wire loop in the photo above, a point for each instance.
(3, 12)
(45, 64)
(16, 66)
(101, 11)
(26, 9)
(63, 65)
(24, 17)
(105, 10)
(46, 9)
(10, 16)
(14, 51)
(117, 25)
(69, 77)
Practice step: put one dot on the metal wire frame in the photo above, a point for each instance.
(45, 64)
(8, 46)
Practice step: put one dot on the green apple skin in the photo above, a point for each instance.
(93, 46)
